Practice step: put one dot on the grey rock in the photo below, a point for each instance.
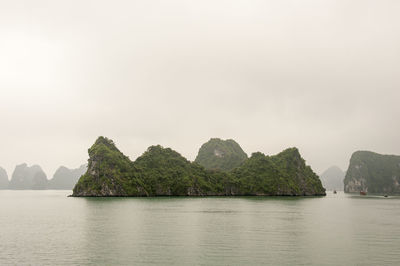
(65, 178)
(25, 177)
(332, 178)
(3, 179)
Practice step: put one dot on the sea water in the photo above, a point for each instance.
(49, 228)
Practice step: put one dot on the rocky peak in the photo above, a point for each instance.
(164, 172)
(218, 154)
(65, 178)
(3, 179)
(25, 177)
(332, 178)
(372, 172)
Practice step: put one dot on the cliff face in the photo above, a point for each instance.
(25, 177)
(3, 179)
(109, 171)
(65, 178)
(164, 172)
(158, 172)
(332, 178)
(373, 173)
(218, 154)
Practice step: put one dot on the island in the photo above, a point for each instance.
(332, 178)
(3, 179)
(373, 173)
(28, 177)
(162, 171)
(65, 178)
(34, 178)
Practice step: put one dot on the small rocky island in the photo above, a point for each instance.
(373, 173)
(3, 179)
(164, 172)
(65, 178)
(332, 178)
(33, 177)
(28, 177)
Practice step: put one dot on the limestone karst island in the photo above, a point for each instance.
(373, 173)
(221, 168)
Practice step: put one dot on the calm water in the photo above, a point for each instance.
(46, 227)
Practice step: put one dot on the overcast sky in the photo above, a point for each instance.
(323, 76)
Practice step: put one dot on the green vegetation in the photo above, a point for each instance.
(373, 172)
(218, 154)
(158, 172)
(110, 173)
(164, 172)
(283, 174)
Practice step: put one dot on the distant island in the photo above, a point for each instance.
(65, 178)
(28, 177)
(33, 177)
(332, 178)
(3, 179)
(373, 173)
(164, 172)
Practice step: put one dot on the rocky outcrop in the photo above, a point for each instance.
(374, 173)
(284, 174)
(218, 154)
(109, 171)
(3, 179)
(332, 178)
(164, 172)
(65, 178)
(39, 181)
(25, 177)
(158, 172)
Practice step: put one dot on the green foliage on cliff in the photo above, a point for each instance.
(159, 171)
(164, 172)
(109, 171)
(373, 172)
(218, 154)
(283, 174)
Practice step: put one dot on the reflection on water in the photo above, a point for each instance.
(46, 227)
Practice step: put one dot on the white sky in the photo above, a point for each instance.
(319, 75)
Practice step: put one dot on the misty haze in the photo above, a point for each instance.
(199, 132)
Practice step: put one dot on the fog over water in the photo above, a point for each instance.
(319, 75)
